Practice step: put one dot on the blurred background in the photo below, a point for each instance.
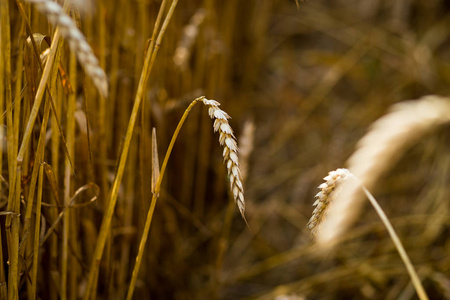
(302, 82)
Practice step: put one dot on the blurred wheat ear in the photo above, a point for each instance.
(77, 42)
(342, 179)
(324, 198)
(379, 149)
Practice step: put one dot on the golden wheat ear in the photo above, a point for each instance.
(230, 149)
(77, 42)
(379, 149)
(324, 198)
(338, 181)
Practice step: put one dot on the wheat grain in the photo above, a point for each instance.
(325, 197)
(77, 42)
(378, 149)
(228, 141)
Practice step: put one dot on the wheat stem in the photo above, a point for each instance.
(157, 189)
(36, 234)
(398, 245)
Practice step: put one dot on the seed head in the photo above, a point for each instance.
(324, 198)
(230, 149)
(77, 42)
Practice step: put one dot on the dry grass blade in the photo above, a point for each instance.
(4, 27)
(155, 161)
(378, 150)
(37, 228)
(39, 157)
(77, 42)
(230, 149)
(47, 73)
(69, 218)
(51, 177)
(72, 204)
(12, 222)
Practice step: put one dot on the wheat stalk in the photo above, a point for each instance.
(228, 141)
(230, 149)
(77, 42)
(377, 151)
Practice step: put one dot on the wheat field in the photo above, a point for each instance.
(165, 149)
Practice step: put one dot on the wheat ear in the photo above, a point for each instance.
(338, 181)
(230, 149)
(324, 198)
(377, 151)
(77, 42)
